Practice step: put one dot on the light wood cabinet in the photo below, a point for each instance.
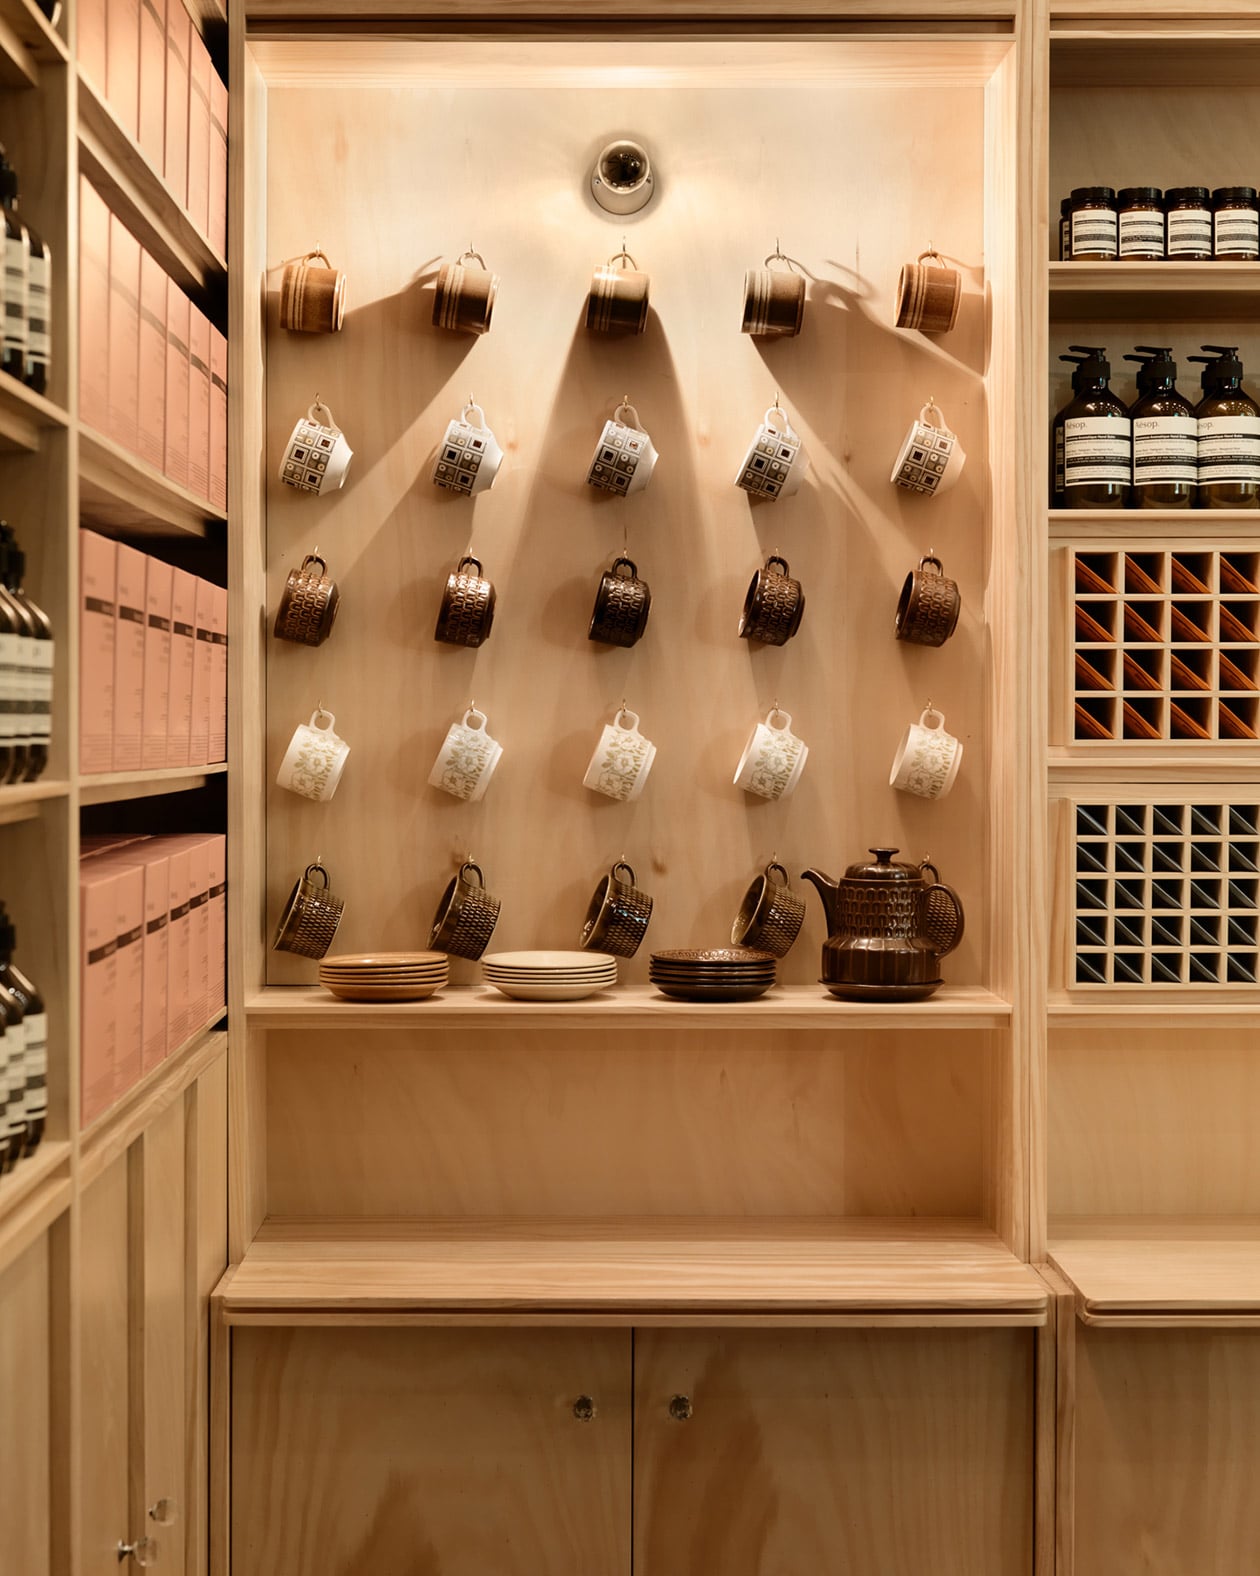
(165, 1398)
(26, 1429)
(106, 1505)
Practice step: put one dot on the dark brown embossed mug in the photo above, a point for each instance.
(928, 608)
(466, 614)
(466, 916)
(617, 919)
(774, 605)
(311, 916)
(622, 605)
(308, 604)
(771, 915)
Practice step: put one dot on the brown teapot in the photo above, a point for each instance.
(890, 926)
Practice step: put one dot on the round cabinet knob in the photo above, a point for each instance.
(163, 1512)
(584, 1409)
(143, 1551)
(680, 1408)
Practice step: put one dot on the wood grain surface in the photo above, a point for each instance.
(26, 1373)
(1160, 1263)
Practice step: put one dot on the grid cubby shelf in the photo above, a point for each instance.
(1166, 644)
(1165, 893)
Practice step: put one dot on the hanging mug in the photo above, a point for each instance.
(469, 457)
(773, 758)
(774, 605)
(308, 604)
(775, 463)
(315, 759)
(311, 916)
(466, 762)
(931, 458)
(466, 613)
(927, 611)
(466, 916)
(774, 298)
(618, 298)
(464, 296)
(622, 605)
(928, 297)
(928, 758)
(317, 456)
(625, 455)
(312, 300)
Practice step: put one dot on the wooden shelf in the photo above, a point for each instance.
(1178, 1008)
(1141, 1271)
(626, 1006)
(25, 801)
(25, 415)
(27, 41)
(1138, 763)
(939, 1269)
(1128, 292)
(113, 162)
(111, 786)
(1189, 525)
(48, 1161)
(1150, 43)
(123, 495)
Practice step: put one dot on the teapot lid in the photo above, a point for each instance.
(883, 868)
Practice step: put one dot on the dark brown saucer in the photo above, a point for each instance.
(883, 992)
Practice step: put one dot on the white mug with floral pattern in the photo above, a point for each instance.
(928, 759)
(466, 762)
(622, 759)
(773, 758)
(315, 759)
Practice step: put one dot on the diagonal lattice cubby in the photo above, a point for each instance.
(1165, 893)
(1166, 644)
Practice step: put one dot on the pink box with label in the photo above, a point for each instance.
(199, 932)
(151, 380)
(98, 561)
(152, 133)
(98, 974)
(183, 640)
(217, 233)
(157, 934)
(218, 418)
(216, 846)
(129, 1004)
(122, 62)
(177, 310)
(203, 676)
(177, 1019)
(175, 161)
(198, 403)
(217, 750)
(129, 605)
(199, 73)
(124, 335)
(93, 308)
(159, 578)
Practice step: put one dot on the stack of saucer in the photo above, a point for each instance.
(549, 976)
(713, 973)
(384, 976)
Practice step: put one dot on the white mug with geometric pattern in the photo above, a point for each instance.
(317, 456)
(316, 757)
(928, 760)
(466, 762)
(931, 458)
(773, 758)
(622, 759)
(624, 457)
(775, 464)
(470, 456)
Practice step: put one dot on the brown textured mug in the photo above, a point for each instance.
(618, 299)
(928, 296)
(464, 296)
(466, 916)
(311, 916)
(312, 300)
(771, 915)
(617, 919)
(928, 608)
(308, 603)
(774, 605)
(622, 604)
(466, 613)
(774, 298)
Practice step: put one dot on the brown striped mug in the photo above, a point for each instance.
(312, 299)
(618, 298)
(928, 608)
(464, 296)
(308, 604)
(928, 296)
(774, 299)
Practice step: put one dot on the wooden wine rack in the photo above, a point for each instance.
(1166, 644)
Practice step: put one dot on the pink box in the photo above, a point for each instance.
(99, 988)
(151, 382)
(216, 846)
(152, 135)
(217, 750)
(93, 308)
(183, 639)
(91, 845)
(157, 663)
(202, 677)
(157, 936)
(93, 45)
(199, 1008)
(218, 418)
(199, 73)
(175, 162)
(97, 633)
(177, 310)
(198, 403)
(124, 335)
(129, 603)
(217, 232)
(129, 1002)
(177, 1019)
(122, 62)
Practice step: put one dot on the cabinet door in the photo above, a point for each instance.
(430, 1452)
(889, 1451)
(165, 1392)
(104, 1368)
(207, 1223)
(1167, 1452)
(25, 1424)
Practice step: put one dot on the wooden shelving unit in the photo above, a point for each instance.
(122, 495)
(27, 42)
(25, 415)
(1131, 292)
(110, 787)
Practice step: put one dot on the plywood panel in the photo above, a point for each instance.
(433, 1453)
(103, 1368)
(165, 1381)
(678, 1123)
(1156, 1123)
(409, 172)
(895, 1452)
(26, 1363)
(1167, 1452)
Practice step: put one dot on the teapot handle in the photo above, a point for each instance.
(943, 920)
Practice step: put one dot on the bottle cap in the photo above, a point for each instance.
(1091, 364)
(1140, 197)
(1085, 194)
(1234, 197)
(1188, 197)
(1219, 367)
(1156, 365)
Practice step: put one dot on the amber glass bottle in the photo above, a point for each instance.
(35, 1024)
(1229, 434)
(1092, 438)
(1165, 434)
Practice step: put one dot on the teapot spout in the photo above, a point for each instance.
(829, 892)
